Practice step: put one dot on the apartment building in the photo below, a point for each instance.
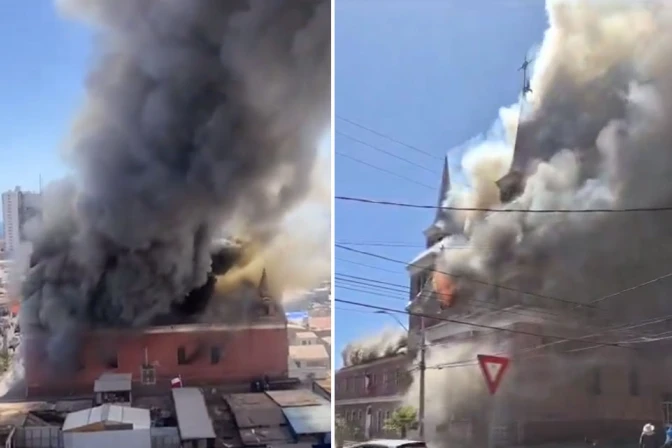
(18, 208)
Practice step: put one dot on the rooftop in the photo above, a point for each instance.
(314, 419)
(107, 414)
(306, 335)
(319, 323)
(325, 385)
(193, 420)
(308, 352)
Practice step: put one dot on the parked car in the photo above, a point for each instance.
(390, 443)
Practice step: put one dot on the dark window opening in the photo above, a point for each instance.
(181, 356)
(215, 355)
(633, 381)
(148, 375)
(113, 362)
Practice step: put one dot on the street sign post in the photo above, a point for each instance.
(493, 368)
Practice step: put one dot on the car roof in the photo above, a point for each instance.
(390, 442)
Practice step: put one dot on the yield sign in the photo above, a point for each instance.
(493, 368)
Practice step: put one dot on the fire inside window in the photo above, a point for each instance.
(148, 375)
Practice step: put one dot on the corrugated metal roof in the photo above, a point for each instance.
(255, 409)
(299, 397)
(309, 419)
(265, 436)
(113, 382)
(193, 419)
(107, 413)
(308, 352)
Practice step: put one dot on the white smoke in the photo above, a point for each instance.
(595, 133)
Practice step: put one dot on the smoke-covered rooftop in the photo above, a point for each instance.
(384, 345)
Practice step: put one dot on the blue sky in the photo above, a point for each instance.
(44, 61)
(431, 74)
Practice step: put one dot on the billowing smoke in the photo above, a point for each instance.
(387, 343)
(202, 121)
(594, 134)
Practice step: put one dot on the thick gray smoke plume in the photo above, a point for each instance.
(200, 117)
(595, 133)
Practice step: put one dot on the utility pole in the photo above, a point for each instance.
(423, 367)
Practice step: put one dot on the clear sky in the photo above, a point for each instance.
(431, 74)
(44, 60)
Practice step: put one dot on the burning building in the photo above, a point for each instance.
(555, 389)
(201, 120)
(581, 309)
(200, 354)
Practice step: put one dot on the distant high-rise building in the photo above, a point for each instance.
(18, 207)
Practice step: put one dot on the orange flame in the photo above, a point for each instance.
(444, 289)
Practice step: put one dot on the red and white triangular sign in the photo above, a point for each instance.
(493, 368)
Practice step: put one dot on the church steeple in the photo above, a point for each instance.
(263, 288)
(443, 189)
(444, 223)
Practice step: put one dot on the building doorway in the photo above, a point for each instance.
(667, 411)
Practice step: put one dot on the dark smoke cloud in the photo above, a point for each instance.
(202, 118)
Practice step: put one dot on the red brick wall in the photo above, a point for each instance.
(245, 354)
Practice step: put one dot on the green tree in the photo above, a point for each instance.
(341, 427)
(401, 420)
(345, 431)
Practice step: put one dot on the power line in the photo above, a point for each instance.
(362, 281)
(491, 308)
(502, 287)
(501, 210)
(384, 151)
(381, 244)
(392, 173)
(366, 265)
(387, 137)
(476, 325)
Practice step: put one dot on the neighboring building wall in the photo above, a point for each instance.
(561, 393)
(244, 354)
(367, 394)
(134, 438)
